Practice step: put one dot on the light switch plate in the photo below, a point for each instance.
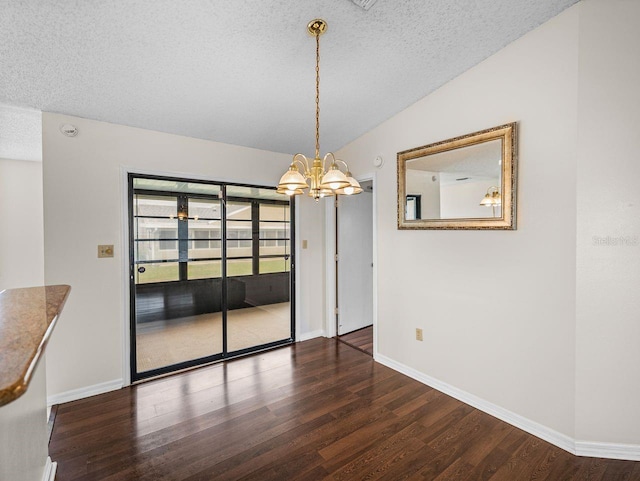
(105, 251)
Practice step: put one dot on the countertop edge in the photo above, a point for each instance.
(12, 392)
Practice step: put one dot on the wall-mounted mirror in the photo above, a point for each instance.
(468, 182)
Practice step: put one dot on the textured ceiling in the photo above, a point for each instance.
(242, 71)
(20, 133)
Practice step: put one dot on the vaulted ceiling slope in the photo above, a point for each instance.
(242, 71)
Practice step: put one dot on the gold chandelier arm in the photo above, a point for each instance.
(340, 161)
(304, 163)
(324, 160)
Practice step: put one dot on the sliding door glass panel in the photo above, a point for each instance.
(178, 284)
(239, 250)
(149, 250)
(278, 247)
(205, 239)
(275, 264)
(204, 269)
(176, 186)
(238, 210)
(274, 230)
(255, 326)
(188, 247)
(239, 239)
(239, 267)
(206, 209)
(155, 206)
(151, 272)
(258, 193)
(203, 247)
(259, 310)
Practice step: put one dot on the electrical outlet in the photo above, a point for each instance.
(418, 334)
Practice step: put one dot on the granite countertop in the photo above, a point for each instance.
(27, 318)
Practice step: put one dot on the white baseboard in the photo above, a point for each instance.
(83, 392)
(50, 468)
(581, 448)
(629, 452)
(305, 336)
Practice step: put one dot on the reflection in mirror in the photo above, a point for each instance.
(453, 184)
(413, 207)
(459, 183)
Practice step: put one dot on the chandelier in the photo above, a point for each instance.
(492, 199)
(304, 173)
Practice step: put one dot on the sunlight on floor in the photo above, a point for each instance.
(163, 343)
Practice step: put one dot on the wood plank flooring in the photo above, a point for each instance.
(361, 339)
(317, 410)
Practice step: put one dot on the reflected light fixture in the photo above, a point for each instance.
(183, 210)
(492, 199)
(303, 173)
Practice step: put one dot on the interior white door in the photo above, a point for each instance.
(355, 260)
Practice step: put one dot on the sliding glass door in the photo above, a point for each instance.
(210, 271)
(258, 259)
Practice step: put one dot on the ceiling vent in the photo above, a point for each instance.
(366, 4)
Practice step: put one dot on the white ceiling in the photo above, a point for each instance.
(20, 133)
(242, 71)
(478, 160)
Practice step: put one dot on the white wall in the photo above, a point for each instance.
(21, 238)
(511, 345)
(557, 342)
(84, 205)
(420, 182)
(23, 432)
(608, 289)
(23, 422)
(310, 283)
(462, 199)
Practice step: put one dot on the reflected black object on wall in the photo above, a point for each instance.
(172, 300)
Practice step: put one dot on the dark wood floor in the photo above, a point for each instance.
(361, 339)
(318, 410)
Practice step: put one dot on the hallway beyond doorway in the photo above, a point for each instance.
(362, 339)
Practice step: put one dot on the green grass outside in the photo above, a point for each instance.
(206, 270)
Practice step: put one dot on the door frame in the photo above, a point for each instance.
(126, 297)
(330, 265)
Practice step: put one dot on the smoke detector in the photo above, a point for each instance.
(366, 4)
(69, 130)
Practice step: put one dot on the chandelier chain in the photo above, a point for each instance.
(321, 179)
(317, 95)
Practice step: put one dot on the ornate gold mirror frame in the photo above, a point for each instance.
(467, 182)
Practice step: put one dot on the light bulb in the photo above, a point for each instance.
(334, 185)
(348, 190)
(290, 192)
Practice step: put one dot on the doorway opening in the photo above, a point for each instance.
(354, 269)
(211, 272)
